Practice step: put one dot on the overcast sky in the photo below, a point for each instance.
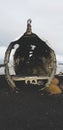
(47, 21)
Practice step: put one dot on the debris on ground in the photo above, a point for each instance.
(53, 88)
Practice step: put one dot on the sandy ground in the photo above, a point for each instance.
(30, 109)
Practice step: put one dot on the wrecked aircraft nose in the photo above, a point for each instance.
(34, 61)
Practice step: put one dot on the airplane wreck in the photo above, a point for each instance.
(34, 62)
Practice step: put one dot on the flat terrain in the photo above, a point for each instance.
(29, 109)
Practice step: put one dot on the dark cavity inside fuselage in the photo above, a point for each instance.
(32, 58)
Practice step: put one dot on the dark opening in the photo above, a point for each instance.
(33, 57)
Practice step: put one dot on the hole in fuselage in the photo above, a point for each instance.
(33, 58)
(33, 81)
(28, 82)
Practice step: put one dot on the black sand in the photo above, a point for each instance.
(29, 109)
